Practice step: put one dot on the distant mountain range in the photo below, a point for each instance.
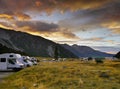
(17, 41)
(85, 51)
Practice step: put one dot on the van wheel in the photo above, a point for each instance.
(16, 69)
(28, 65)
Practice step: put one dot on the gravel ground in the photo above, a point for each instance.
(4, 74)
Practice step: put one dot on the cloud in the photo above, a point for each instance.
(114, 27)
(42, 27)
(14, 16)
(21, 16)
(3, 25)
(85, 15)
(6, 26)
(108, 49)
(95, 39)
(19, 9)
(5, 16)
(38, 26)
(93, 18)
(108, 13)
(48, 30)
(49, 5)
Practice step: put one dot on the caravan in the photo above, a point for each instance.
(25, 60)
(10, 61)
(34, 60)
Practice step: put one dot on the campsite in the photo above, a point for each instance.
(59, 44)
(68, 74)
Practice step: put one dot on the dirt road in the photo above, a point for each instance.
(4, 74)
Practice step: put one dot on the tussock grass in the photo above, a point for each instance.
(66, 75)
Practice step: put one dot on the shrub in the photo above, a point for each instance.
(99, 61)
(90, 58)
(104, 75)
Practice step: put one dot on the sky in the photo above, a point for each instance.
(94, 23)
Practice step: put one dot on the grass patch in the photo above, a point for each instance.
(66, 75)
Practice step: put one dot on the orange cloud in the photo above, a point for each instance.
(113, 26)
(22, 16)
(38, 3)
(48, 30)
(95, 39)
(56, 35)
(5, 16)
(2, 26)
(15, 16)
(6, 26)
(44, 5)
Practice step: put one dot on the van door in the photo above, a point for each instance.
(3, 64)
(11, 63)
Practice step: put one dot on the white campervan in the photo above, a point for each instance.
(34, 60)
(25, 60)
(10, 61)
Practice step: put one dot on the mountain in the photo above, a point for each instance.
(4, 49)
(117, 55)
(31, 45)
(85, 51)
(20, 42)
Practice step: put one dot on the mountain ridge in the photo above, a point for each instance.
(86, 51)
(38, 46)
(30, 44)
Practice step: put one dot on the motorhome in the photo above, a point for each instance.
(10, 61)
(25, 60)
(34, 60)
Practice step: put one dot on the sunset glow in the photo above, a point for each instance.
(83, 22)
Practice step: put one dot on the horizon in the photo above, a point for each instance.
(82, 22)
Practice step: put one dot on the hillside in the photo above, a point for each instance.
(117, 55)
(31, 45)
(4, 49)
(39, 46)
(85, 51)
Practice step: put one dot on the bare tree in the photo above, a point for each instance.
(56, 53)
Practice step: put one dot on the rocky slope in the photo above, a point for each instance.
(85, 51)
(31, 45)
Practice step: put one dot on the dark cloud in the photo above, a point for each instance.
(95, 17)
(38, 26)
(95, 13)
(109, 12)
(17, 8)
(48, 5)
(48, 29)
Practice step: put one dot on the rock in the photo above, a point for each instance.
(35, 85)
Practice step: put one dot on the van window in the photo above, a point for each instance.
(3, 60)
(11, 61)
(25, 60)
(11, 56)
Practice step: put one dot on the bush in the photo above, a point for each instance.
(99, 61)
(90, 58)
(104, 75)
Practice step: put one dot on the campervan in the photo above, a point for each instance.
(25, 60)
(34, 60)
(10, 61)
